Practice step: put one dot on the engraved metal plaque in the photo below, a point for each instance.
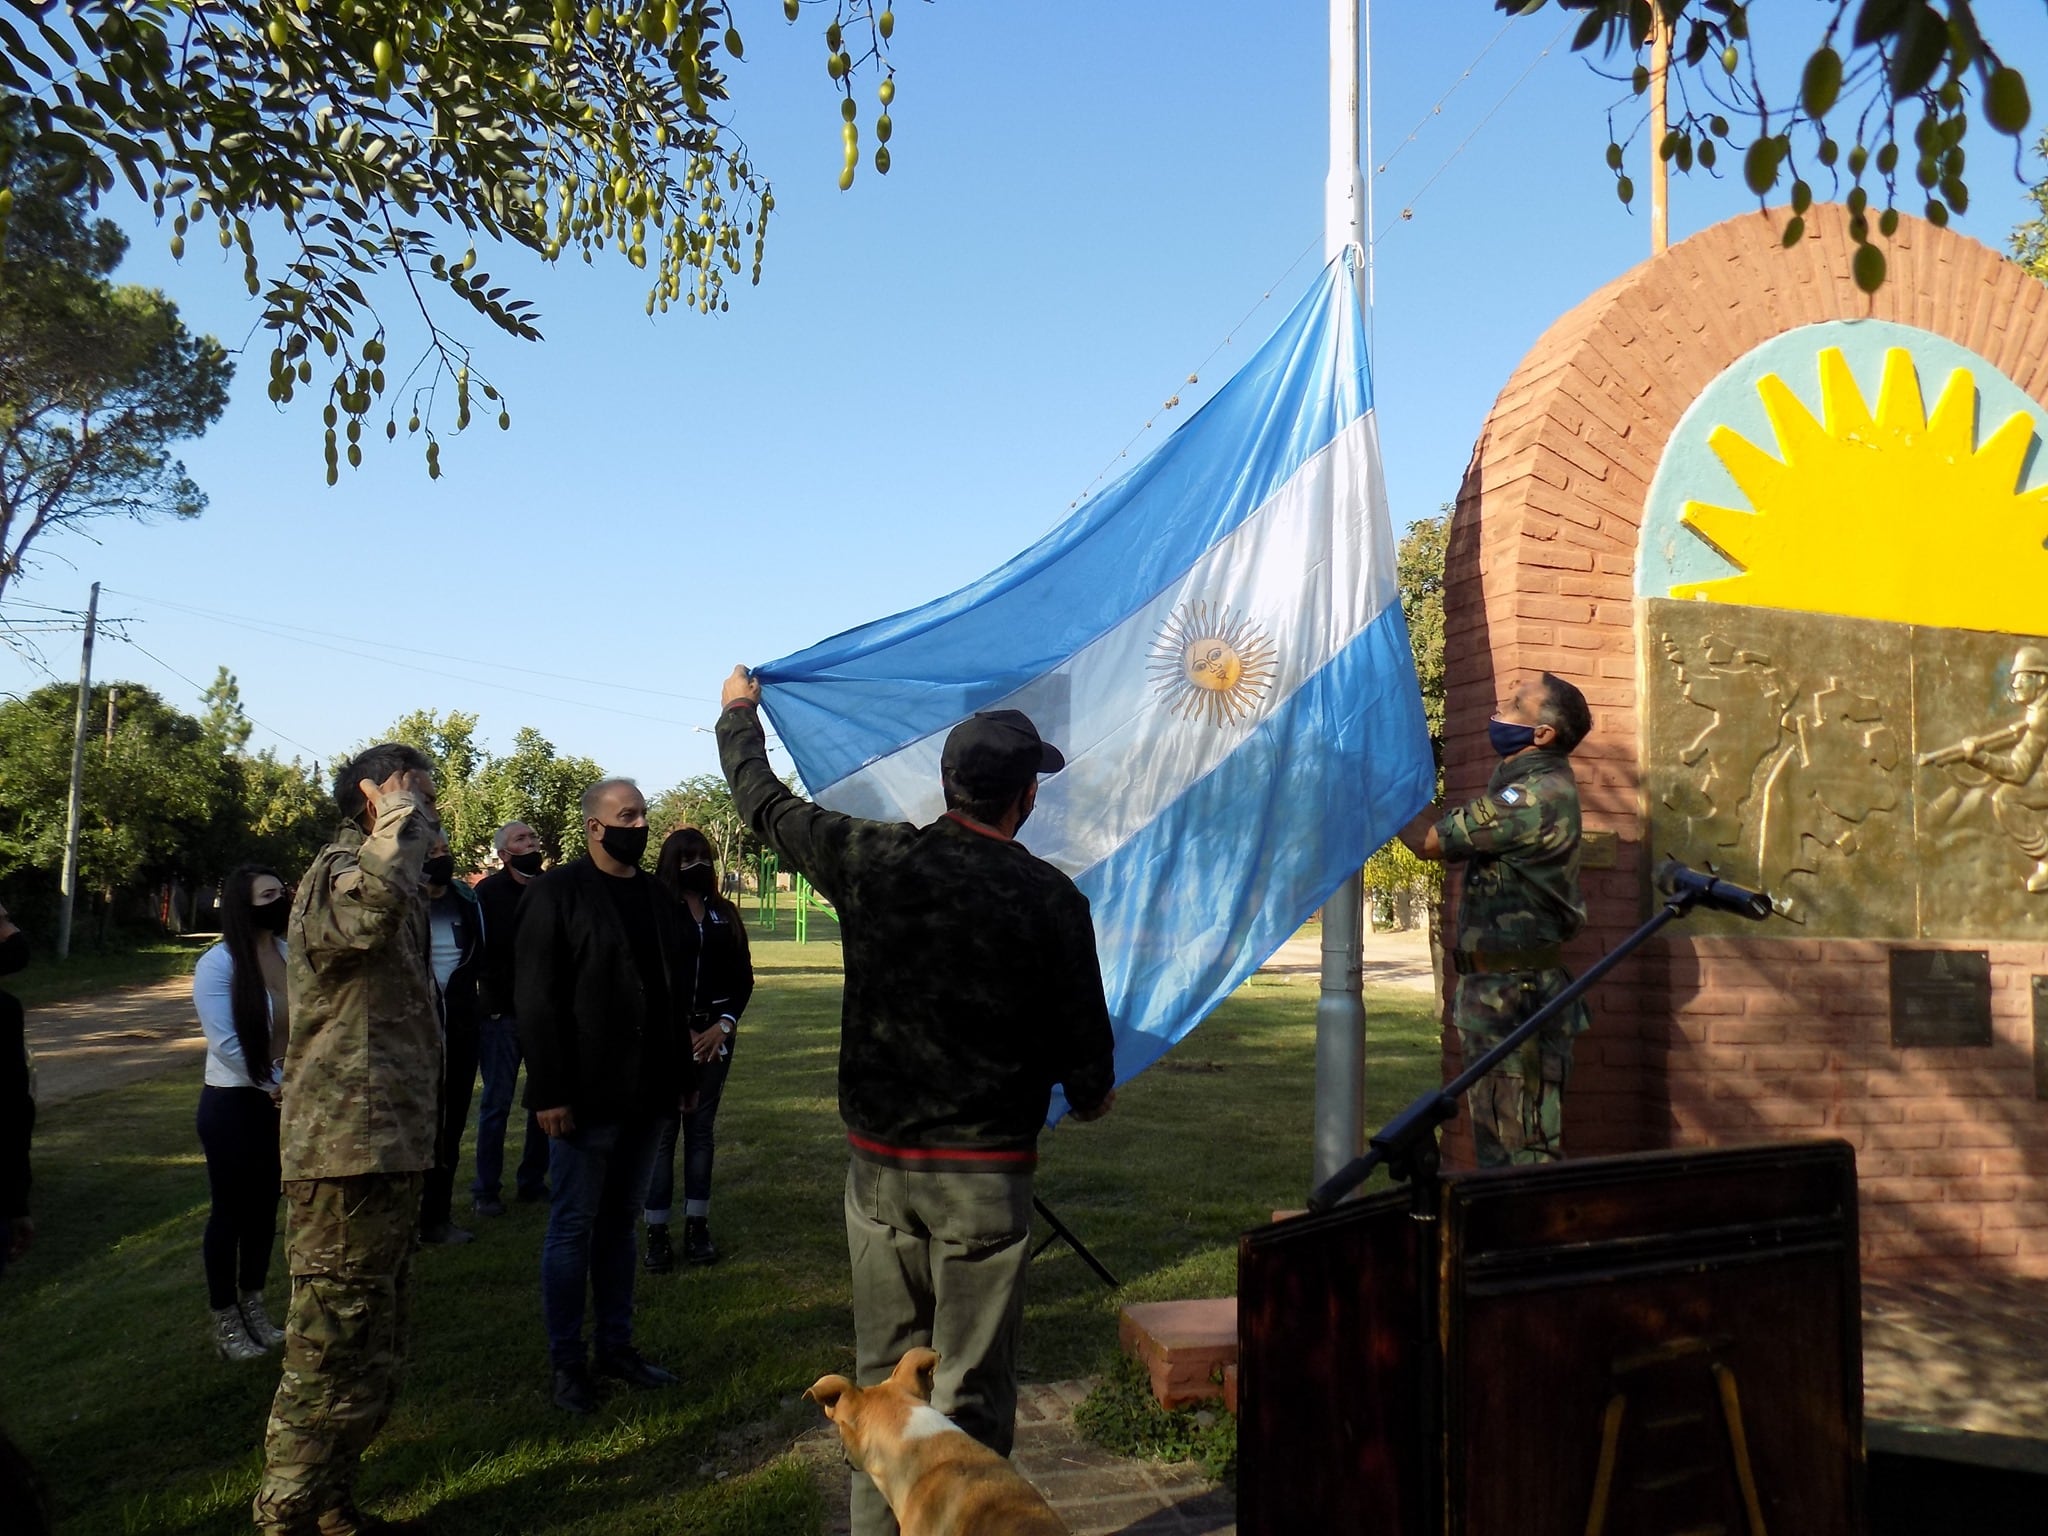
(2041, 1037)
(1941, 997)
(1880, 781)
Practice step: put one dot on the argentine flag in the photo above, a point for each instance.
(1216, 644)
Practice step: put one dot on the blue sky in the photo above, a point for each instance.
(934, 367)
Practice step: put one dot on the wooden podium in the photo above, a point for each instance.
(1662, 1344)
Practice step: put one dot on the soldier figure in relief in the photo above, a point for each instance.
(1520, 903)
(2006, 765)
(361, 1074)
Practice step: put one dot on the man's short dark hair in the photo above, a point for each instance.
(376, 764)
(1564, 711)
(985, 810)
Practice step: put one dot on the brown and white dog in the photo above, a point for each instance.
(938, 1479)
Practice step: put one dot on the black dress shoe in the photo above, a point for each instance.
(487, 1205)
(627, 1364)
(660, 1257)
(445, 1234)
(575, 1392)
(697, 1245)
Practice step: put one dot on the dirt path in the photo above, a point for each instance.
(114, 1038)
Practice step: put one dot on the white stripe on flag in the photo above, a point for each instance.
(1308, 571)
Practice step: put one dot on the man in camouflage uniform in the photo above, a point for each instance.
(971, 989)
(361, 1075)
(1519, 843)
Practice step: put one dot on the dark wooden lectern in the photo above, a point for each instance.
(1663, 1344)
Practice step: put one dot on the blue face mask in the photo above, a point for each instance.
(1509, 738)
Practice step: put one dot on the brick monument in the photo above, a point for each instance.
(1792, 543)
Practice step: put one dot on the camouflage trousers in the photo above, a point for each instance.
(349, 1243)
(1518, 1108)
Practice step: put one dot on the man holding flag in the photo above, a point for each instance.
(972, 988)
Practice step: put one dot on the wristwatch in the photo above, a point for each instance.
(725, 1024)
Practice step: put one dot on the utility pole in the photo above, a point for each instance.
(67, 886)
(1340, 1010)
(1660, 124)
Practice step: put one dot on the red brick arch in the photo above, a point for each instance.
(1710, 1041)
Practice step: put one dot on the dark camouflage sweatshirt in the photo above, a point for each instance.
(1519, 843)
(971, 980)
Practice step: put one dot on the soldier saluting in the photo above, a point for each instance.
(1519, 843)
(361, 1074)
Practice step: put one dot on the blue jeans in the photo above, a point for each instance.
(600, 1177)
(498, 1055)
(695, 1132)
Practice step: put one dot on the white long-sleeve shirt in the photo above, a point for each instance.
(212, 979)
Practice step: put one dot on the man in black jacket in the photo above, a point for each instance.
(601, 1023)
(498, 897)
(971, 989)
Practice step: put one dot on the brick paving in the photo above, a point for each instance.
(1097, 1494)
(1956, 1348)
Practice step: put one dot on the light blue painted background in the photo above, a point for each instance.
(1671, 554)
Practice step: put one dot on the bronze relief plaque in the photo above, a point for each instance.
(1879, 780)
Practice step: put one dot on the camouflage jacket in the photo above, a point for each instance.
(363, 1067)
(972, 985)
(1519, 843)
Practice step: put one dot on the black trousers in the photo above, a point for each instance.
(458, 1084)
(238, 1130)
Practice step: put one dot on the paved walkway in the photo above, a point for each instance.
(1397, 959)
(111, 1039)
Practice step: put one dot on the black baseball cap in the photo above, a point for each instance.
(996, 752)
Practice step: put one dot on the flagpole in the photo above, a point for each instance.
(1340, 1010)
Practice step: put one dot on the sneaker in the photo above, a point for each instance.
(257, 1321)
(697, 1245)
(660, 1257)
(231, 1336)
(487, 1205)
(445, 1234)
(575, 1392)
(627, 1364)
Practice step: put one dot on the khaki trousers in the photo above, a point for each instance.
(938, 1260)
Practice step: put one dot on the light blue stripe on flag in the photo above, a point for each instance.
(863, 694)
(1217, 645)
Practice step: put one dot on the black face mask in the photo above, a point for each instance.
(524, 863)
(272, 916)
(13, 953)
(697, 879)
(439, 869)
(626, 844)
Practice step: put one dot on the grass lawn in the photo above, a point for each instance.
(108, 1383)
(50, 980)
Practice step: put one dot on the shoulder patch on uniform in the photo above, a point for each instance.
(1512, 795)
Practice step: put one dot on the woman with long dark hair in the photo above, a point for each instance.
(720, 973)
(238, 989)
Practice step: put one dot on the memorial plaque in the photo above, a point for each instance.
(2041, 1037)
(1941, 997)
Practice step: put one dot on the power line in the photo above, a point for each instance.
(193, 683)
(277, 629)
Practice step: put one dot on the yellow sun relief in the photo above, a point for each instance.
(1896, 515)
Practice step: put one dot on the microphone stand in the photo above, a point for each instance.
(1407, 1144)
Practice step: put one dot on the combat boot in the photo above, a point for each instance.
(257, 1321)
(661, 1253)
(231, 1336)
(697, 1245)
(350, 1521)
